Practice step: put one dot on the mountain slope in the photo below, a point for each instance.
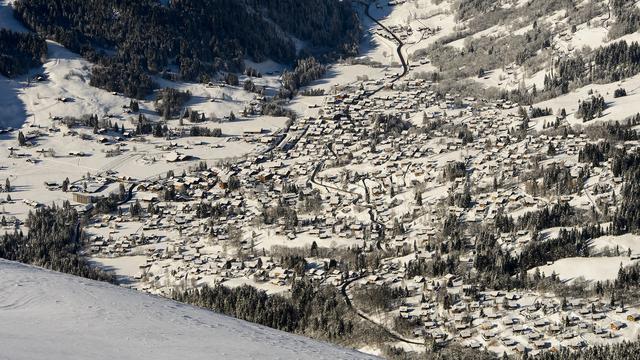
(56, 316)
(194, 39)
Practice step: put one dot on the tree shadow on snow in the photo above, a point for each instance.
(13, 111)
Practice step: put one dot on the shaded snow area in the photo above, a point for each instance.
(7, 21)
(48, 315)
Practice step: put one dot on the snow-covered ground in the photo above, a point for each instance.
(617, 108)
(7, 20)
(623, 243)
(48, 315)
(589, 268)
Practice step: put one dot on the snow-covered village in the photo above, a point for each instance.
(464, 185)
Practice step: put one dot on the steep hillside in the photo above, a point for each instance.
(192, 39)
(19, 51)
(56, 316)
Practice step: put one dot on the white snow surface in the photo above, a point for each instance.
(49, 315)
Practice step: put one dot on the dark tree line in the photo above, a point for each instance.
(128, 78)
(556, 179)
(620, 92)
(330, 24)
(561, 214)
(569, 243)
(389, 125)
(539, 112)
(304, 73)
(204, 131)
(625, 163)
(169, 101)
(595, 153)
(460, 199)
(469, 8)
(199, 38)
(454, 170)
(627, 216)
(609, 63)
(20, 51)
(271, 214)
(215, 211)
(53, 242)
(500, 269)
(380, 298)
(311, 310)
(622, 133)
(617, 131)
(628, 277)
(274, 107)
(92, 121)
(145, 126)
(623, 350)
(616, 61)
(592, 108)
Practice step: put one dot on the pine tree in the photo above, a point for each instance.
(21, 139)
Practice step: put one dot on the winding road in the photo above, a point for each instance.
(403, 61)
(343, 289)
(392, 333)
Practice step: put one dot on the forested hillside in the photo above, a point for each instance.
(19, 52)
(52, 242)
(130, 39)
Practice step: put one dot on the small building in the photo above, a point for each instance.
(85, 198)
(633, 317)
(617, 325)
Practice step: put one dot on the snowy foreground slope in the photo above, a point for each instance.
(47, 315)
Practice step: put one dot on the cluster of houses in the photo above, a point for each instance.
(500, 321)
(366, 171)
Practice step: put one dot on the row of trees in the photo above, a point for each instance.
(317, 311)
(499, 269)
(128, 78)
(204, 131)
(306, 71)
(616, 131)
(613, 62)
(595, 153)
(605, 64)
(169, 101)
(539, 112)
(623, 350)
(556, 179)
(592, 108)
(271, 214)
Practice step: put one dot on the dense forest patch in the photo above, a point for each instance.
(316, 311)
(53, 242)
(191, 38)
(19, 52)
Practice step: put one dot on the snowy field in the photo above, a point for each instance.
(47, 315)
(589, 268)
